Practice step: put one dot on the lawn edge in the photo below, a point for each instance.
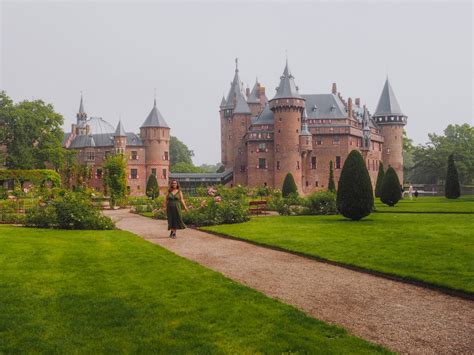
(407, 280)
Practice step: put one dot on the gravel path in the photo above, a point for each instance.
(402, 317)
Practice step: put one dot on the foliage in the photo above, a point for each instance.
(391, 191)
(220, 169)
(286, 206)
(430, 160)
(182, 167)
(430, 204)
(115, 178)
(32, 133)
(71, 210)
(289, 185)
(37, 177)
(212, 212)
(152, 189)
(355, 198)
(378, 184)
(331, 183)
(179, 153)
(452, 188)
(321, 203)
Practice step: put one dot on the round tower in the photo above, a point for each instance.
(120, 139)
(287, 107)
(391, 121)
(155, 135)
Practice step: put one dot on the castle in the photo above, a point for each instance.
(147, 153)
(263, 140)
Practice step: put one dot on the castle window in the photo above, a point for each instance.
(319, 140)
(277, 148)
(153, 171)
(298, 164)
(98, 173)
(262, 163)
(278, 165)
(166, 156)
(297, 130)
(335, 140)
(338, 162)
(261, 147)
(316, 183)
(107, 153)
(307, 183)
(133, 173)
(134, 155)
(90, 155)
(242, 168)
(164, 174)
(313, 163)
(279, 131)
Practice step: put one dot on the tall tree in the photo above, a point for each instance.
(452, 188)
(152, 189)
(331, 183)
(378, 184)
(391, 191)
(115, 178)
(31, 132)
(289, 185)
(179, 152)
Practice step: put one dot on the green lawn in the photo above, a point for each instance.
(112, 292)
(464, 204)
(434, 248)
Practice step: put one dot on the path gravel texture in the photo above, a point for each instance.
(403, 317)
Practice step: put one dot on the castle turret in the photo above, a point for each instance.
(287, 107)
(240, 123)
(81, 119)
(391, 120)
(155, 134)
(120, 139)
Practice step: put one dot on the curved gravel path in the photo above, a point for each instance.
(402, 317)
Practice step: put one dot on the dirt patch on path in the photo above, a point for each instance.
(402, 317)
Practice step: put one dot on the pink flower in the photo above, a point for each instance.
(218, 199)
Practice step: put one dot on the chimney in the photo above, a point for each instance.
(247, 92)
(349, 107)
(334, 88)
(357, 101)
(88, 129)
(73, 128)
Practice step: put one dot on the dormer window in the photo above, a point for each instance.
(314, 108)
(333, 107)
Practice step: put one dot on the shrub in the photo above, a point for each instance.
(71, 211)
(115, 178)
(286, 206)
(331, 183)
(452, 188)
(391, 192)
(289, 185)
(378, 184)
(152, 189)
(355, 197)
(211, 212)
(323, 202)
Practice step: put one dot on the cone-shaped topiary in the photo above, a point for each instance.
(152, 189)
(452, 188)
(390, 193)
(331, 184)
(378, 184)
(355, 197)
(289, 185)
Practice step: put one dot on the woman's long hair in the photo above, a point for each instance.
(170, 188)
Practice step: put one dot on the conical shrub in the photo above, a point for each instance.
(391, 192)
(289, 185)
(331, 183)
(452, 188)
(378, 184)
(355, 197)
(152, 189)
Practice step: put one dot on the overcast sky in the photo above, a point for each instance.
(118, 52)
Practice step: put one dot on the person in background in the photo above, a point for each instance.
(410, 192)
(173, 202)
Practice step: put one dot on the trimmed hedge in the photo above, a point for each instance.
(391, 191)
(378, 184)
(452, 188)
(289, 186)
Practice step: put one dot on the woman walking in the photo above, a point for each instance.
(173, 201)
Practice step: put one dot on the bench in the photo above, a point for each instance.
(258, 207)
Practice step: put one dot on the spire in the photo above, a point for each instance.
(235, 86)
(287, 88)
(81, 114)
(304, 124)
(120, 131)
(254, 94)
(81, 105)
(388, 104)
(154, 118)
(223, 102)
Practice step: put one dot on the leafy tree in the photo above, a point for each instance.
(391, 192)
(152, 189)
(331, 183)
(115, 177)
(289, 186)
(355, 197)
(179, 152)
(31, 132)
(452, 188)
(378, 184)
(182, 167)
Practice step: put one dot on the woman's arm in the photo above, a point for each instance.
(181, 198)
(165, 201)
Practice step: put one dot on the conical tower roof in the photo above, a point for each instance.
(241, 105)
(155, 118)
(236, 87)
(120, 131)
(253, 97)
(287, 88)
(388, 104)
(223, 102)
(81, 106)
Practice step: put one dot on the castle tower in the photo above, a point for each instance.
(81, 119)
(120, 139)
(155, 134)
(287, 107)
(240, 123)
(306, 147)
(391, 120)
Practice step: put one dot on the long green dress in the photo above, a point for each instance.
(173, 211)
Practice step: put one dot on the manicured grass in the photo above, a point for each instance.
(465, 204)
(434, 248)
(112, 292)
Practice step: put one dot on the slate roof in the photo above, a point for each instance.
(83, 141)
(101, 140)
(265, 117)
(253, 97)
(236, 88)
(223, 102)
(155, 118)
(287, 88)
(388, 104)
(81, 106)
(241, 105)
(324, 106)
(120, 131)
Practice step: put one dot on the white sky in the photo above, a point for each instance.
(118, 52)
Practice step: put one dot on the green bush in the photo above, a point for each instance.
(321, 203)
(391, 192)
(286, 206)
(331, 183)
(115, 179)
(355, 198)
(211, 212)
(289, 185)
(152, 189)
(452, 189)
(71, 211)
(378, 184)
